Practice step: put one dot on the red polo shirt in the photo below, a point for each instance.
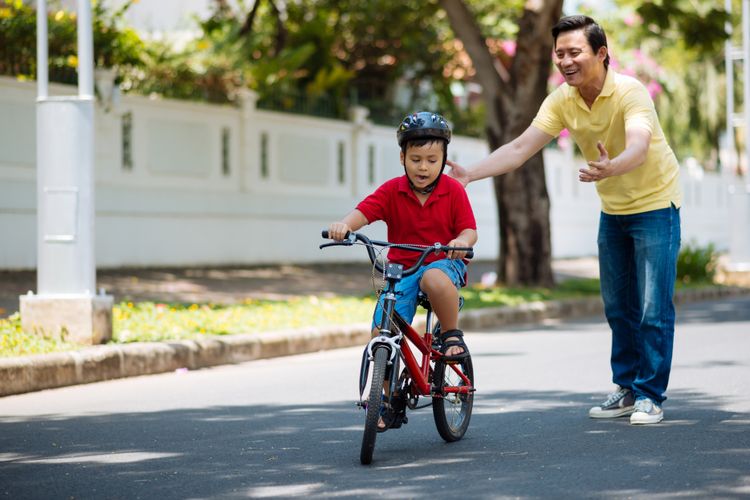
(444, 215)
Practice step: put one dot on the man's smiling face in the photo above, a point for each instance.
(575, 58)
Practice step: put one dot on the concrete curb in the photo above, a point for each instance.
(106, 362)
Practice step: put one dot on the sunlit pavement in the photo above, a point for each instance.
(288, 426)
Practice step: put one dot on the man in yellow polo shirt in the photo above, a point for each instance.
(612, 119)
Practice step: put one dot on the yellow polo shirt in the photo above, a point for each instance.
(624, 103)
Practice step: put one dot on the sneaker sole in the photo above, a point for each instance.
(645, 420)
(619, 412)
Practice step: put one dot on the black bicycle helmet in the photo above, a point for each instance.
(423, 125)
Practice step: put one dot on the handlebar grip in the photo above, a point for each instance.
(470, 254)
(324, 234)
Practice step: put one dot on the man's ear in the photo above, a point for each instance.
(602, 53)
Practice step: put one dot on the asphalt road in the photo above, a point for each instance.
(289, 427)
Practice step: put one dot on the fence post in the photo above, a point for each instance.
(361, 127)
(249, 157)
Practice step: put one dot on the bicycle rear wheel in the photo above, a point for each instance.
(452, 411)
(374, 402)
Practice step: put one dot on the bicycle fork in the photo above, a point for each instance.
(394, 361)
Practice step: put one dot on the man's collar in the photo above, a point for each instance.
(607, 89)
(609, 84)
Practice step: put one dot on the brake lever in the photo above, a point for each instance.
(348, 241)
(336, 244)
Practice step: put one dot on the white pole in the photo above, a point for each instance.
(66, 269)
(42, 76)
(85, 50)
(746, 76)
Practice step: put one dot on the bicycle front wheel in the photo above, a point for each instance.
(452, 410)
(374, 402)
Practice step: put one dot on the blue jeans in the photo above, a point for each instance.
(638, 268)
(408, 288)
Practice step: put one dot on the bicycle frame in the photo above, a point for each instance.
(419, 371)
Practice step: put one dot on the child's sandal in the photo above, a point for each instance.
(455, 339)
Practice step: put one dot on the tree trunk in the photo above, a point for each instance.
(522, 200)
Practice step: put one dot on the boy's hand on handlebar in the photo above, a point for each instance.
(457, 254)
(338, 231)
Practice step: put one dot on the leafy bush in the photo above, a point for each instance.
(696, 263)
(114, 44)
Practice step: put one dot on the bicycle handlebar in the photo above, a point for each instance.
(352, 237)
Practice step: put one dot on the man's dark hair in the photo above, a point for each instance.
(593, 32)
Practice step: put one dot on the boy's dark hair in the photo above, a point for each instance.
(593, 32)
(418, 143)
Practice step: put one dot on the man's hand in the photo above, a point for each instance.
(597, 170)
(458, 172)
(337, 231)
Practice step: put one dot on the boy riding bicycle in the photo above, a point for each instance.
(422, 207)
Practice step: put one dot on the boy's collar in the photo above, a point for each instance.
(440, 189)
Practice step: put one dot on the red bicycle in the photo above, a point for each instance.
(449, 382)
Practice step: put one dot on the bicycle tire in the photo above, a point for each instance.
(452, 412)
(374, 401)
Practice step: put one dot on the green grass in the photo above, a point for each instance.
(477, 297)
(148, 321)
(151, 322)
(15, 342)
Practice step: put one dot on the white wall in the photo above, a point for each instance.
(177, 206)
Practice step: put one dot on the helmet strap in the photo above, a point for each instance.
(427, 189)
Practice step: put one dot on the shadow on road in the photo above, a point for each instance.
(532, 445)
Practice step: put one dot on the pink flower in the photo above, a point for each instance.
(654, 88)
(563, 139)
(509, 47)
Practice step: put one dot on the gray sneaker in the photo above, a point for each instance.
(617, 404)
(646, 412)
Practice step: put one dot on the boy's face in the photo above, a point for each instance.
(423, 164)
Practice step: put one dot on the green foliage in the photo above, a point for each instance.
(17, 38)
(686, 37)
(700, 24)
(696, 264)
(114, 44)
(15, 342)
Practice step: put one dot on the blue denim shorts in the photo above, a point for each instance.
(408, 288)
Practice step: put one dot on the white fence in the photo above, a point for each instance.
(181, 183)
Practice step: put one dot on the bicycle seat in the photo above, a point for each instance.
(423, 301)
